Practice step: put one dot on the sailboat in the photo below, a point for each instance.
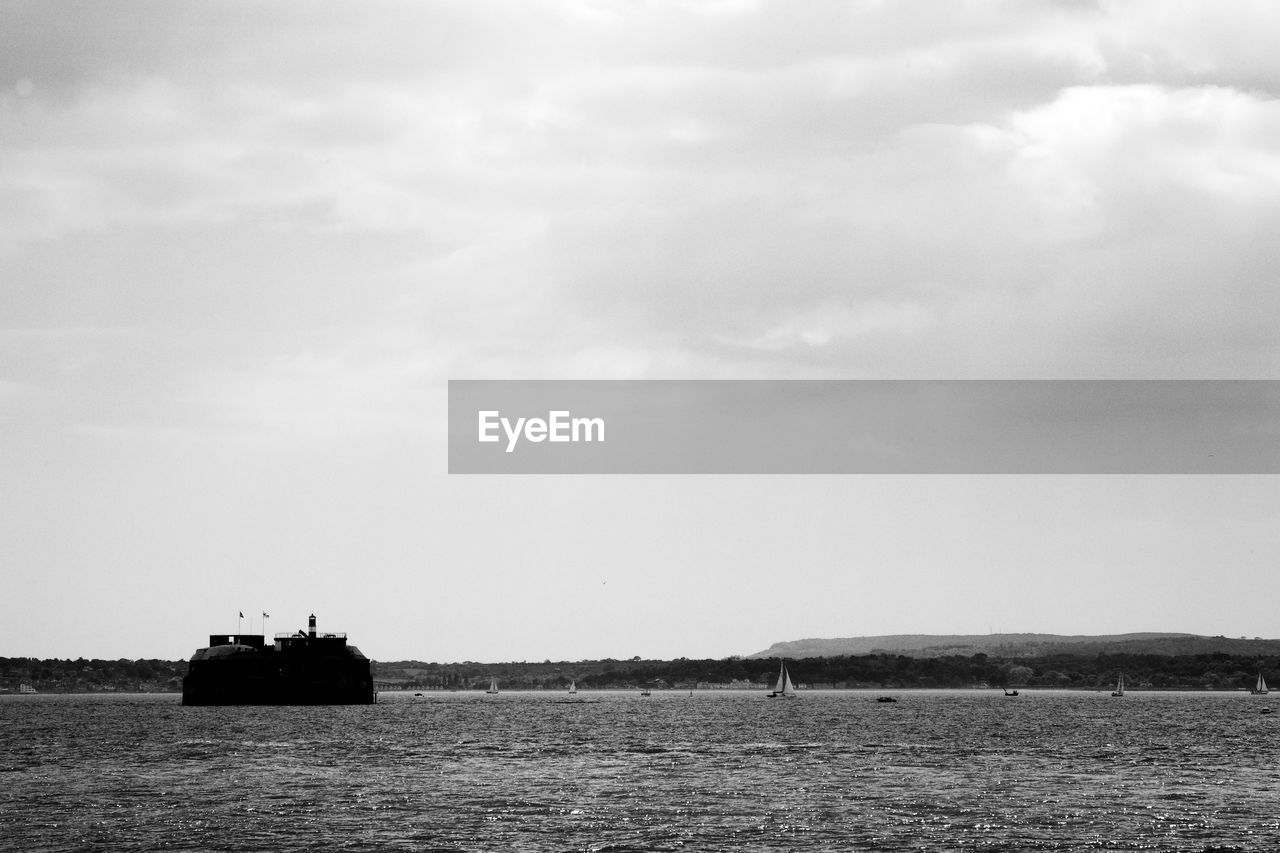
(493, 686)
(784, 687)
(1119, 691)
(1260, 689)
(573, 687)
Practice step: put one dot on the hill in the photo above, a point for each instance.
(1020, 645)
(1180, 662)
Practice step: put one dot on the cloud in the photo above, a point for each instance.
(658, 189)
(1055, 226)
(14, 392)
(1121, 151)
(369, 388)
(243, 246)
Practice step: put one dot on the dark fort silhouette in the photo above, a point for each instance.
(304, 668)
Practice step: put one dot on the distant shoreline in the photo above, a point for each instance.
(870, 692)
(1211, 672)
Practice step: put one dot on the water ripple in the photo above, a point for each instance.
(713, 772)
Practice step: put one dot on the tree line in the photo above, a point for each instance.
(1216, 671)
(92, 676)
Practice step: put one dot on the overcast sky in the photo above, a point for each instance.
(243, 247)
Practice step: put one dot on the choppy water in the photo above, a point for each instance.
(712, 771)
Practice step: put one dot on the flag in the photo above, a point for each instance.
(266, 615)
(241, 614)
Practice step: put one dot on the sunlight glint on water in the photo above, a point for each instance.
(711, 771)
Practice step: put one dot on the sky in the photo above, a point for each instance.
(244, 247)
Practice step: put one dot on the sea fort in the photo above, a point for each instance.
(558, 426)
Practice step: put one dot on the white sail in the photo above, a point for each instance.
(783, 680)
(493, 686)
(573, 687)
(784, 687)
(1261, 687)
(1119, 686)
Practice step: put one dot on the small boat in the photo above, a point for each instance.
(1119, 691)
(784, 687)
(885, 699)
(573, 688)
(1268, 710)
(26, 688)
(493, 686)
(1260, 689)
(1011, 692)
(646, 692)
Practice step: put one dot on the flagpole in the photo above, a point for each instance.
(239, 624)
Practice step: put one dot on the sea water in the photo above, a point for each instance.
(616, 771)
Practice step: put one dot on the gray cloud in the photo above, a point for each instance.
(243, 241)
